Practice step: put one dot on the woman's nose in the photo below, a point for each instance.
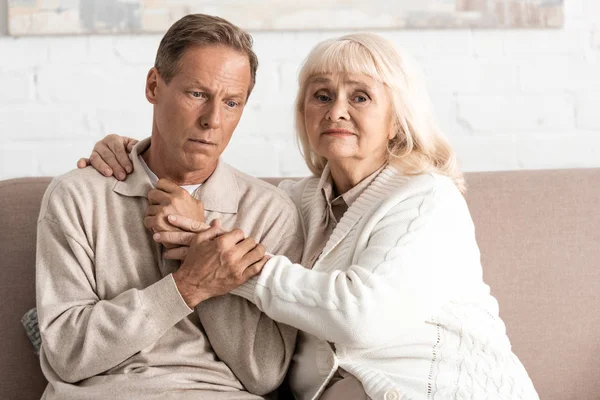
(338, 110)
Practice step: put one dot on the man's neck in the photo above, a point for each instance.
(163, 168)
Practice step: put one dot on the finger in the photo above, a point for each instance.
(188, 224)
(153, 210)
(99, 164)
(159, 224)
(217, 224)
(230, 239)
(174, 238)
(83, 162)
(245, 247)
(252, 255)
(109, 158)
(177, 253)
(129, 143)
(158, 197)
(118, 148)
(208, 234)
(169, 186)
(254, 269)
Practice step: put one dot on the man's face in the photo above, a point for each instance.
(196, 113)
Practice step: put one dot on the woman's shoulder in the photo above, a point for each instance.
(426, 184)
(427, 191)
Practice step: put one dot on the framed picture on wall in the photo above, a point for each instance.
(42, 17)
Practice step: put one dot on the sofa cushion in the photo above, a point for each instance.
(20, 201)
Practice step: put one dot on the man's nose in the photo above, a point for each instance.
(211, 117)
(338, 110)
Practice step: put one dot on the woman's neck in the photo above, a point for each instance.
(347, 175)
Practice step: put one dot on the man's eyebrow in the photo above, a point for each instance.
(199, 85)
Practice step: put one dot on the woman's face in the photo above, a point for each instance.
(348, 118)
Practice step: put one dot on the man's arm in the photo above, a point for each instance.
(256, 348)
(83, 335)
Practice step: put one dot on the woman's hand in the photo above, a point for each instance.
(170, 199)
(109, 156)
(216, 264)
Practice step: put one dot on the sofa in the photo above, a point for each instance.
(539, 234)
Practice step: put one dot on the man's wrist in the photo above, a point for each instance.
(189, 293)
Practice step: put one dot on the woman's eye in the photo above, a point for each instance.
(360, 99)
(322, 98)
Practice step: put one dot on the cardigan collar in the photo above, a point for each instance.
(219, 193)
(376, 192)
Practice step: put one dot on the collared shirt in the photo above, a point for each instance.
(335, 209)
(154, 179)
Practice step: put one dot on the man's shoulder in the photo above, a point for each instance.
(80, 181)
(251, 187)
(75, 190)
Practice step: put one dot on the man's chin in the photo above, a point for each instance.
(200, 160)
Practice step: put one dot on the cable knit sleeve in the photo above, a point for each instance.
(408, 260)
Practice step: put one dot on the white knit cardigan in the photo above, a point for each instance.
(396, 298)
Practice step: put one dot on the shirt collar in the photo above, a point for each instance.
(138, 183)
(326, 187)
(220, 192)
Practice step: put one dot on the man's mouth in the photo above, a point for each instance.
(201, 141)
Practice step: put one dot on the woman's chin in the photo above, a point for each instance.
(337, 152)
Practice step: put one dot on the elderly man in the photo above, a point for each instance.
(118, 319)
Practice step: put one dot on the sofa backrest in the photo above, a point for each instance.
(539, 234)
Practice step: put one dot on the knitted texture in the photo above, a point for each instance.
(30, 323)
(397, 292)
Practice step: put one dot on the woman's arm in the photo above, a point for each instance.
(418, 254)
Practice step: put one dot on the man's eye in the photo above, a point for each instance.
(232, 104)
(198, 95)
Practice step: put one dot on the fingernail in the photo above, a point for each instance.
(108, 171)
(156, 236)
(128, 169)
(172, 218)
(121, 175)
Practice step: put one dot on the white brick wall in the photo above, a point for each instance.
(507, 99)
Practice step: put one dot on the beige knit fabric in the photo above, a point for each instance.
(113, 323)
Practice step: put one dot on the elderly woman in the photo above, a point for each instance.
(389, 298)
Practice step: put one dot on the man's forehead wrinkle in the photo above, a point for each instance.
(215, 82)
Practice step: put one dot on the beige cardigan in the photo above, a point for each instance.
(113, 323)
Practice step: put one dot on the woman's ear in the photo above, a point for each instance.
(152, 85)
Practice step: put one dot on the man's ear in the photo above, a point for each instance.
(152, 85)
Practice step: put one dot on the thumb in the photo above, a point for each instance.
(216, 223)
